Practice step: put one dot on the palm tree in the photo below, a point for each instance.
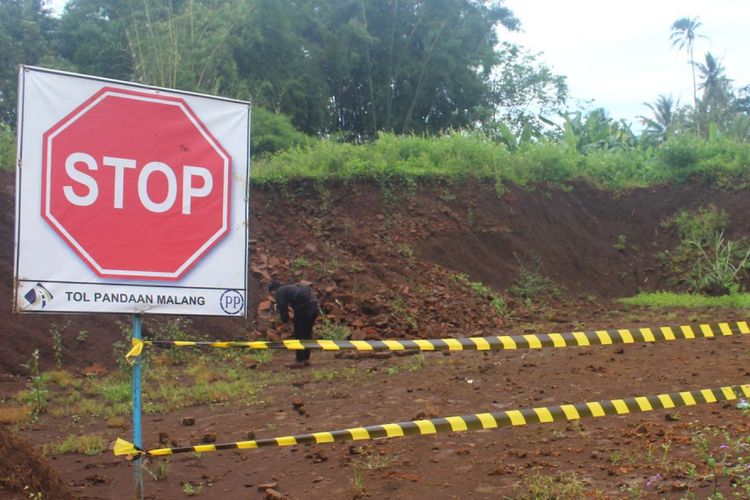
(684, 32)
(715, 84)
(664, 119)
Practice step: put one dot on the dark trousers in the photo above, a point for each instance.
(303, 328)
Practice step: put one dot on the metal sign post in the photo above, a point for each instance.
(137, 439)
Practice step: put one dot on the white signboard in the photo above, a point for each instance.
(129, 199)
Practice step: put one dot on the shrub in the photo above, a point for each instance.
(719, 267)
(332, 330)
(272, 132)
(7, 148)
(530, 283)
(704, 259)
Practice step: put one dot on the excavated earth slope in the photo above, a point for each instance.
(389, 262)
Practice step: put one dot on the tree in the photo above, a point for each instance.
(664, 120)
(684, 32)
(409, 65)
(26, 27)
(92, 37)
(523, 91)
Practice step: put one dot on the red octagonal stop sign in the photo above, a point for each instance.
(135, 184)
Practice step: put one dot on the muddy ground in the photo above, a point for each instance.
(384, 262)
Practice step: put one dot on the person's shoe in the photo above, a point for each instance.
(298, 364)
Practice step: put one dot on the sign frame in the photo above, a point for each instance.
(216, 284)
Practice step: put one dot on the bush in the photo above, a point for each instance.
(272, 132)
(704, 259)
(464, 154)
(7, 148)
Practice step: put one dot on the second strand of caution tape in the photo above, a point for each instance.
(479, 421)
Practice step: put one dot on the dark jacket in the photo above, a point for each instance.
(299, 297)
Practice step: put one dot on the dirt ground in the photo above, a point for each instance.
(384, 263)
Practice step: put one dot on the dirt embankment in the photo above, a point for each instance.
(384, 261)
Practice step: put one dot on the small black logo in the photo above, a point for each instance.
(38, 296)
(232, 302)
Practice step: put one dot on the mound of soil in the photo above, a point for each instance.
(23, 472)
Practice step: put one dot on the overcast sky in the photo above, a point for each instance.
(618, 53)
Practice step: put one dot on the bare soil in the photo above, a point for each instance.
(383, 262)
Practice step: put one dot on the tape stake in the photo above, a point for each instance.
(480, 421)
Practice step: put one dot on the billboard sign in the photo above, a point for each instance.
(130, 199)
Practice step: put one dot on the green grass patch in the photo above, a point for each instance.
(394, 159)
(688, 301)
(87, 444)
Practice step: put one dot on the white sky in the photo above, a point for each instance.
(618, 53)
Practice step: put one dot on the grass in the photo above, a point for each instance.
(564, 486)
(207, 380)
(462, 154)
(688, 301)
(87, 444)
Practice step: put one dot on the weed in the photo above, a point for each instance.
(496, 301)
(191, 489)
(725, 457)
(369, 458)
(530, 283)
(82, 335)
(330, 267)
(561, 487)
(161, 470)
(300, 263)
(704, 259)
(404, 314)
(621, 244)
(632, 491)
(616, 457)
(37, 386)
(358, 483)
(392, 370)
(57, 347)
(332, 330)
(471, 217)
(719, 266)
(330, 374)
(262, 356)
(417, 362)
(406, 250)
(446, 196)
(87, 444)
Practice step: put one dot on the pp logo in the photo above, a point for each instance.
(38, 296)
(232, 302)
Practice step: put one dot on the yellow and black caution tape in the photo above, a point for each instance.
(503, 342)
(480, 421)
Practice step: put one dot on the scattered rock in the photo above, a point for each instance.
(272, 494)
(250, 435)
(187, 421)
(209, 437)
(163, 438)
(267, 486)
